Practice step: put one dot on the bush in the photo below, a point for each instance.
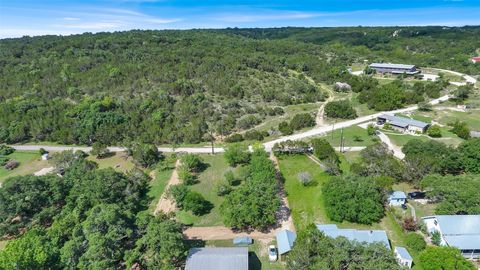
(415, 242)
(247, 121)
(192, 163)
(236, 154)
(436, 238)
(3, 160)
(145, 155)
(255, 135)
(196, 203)
(42, 151)
(302, 120)
(178, 193)
(409, 224)
(322, 149)
(230, 178)
(186, 176)
(11, 164)
(6, 150)
(340, 109)
(461, 129)
(371, 130)
(290, 147)
(223, 189)
(285, 128)
(234, 138)
(100, 150)
(434, 131)
(305, 178)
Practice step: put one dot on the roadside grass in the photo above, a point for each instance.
(353, 136)
(30, 162)
(119, 161)
(402, 139)
(207, 181)
(258, 254)
(3, 243)
(361, 108)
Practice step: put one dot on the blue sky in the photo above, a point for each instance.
(40, 17)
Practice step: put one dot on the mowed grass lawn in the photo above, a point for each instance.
(118, 161)
(353, 136)
(159, 182)
(207, 181)
(30, 162)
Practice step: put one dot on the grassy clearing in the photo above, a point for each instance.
(3, 243)
(119, 161)
(158, 184)
(208, 179)
(258, 257)
(353, 136)
(30, 162)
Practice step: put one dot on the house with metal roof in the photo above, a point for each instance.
(397, 198)
(403, 257)
(285, 241)
(402, 124)
(394, 68)
(361, 236)
(234, 258)
(460, 231)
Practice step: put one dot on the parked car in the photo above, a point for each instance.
(242, 241)
(416, 195)
(272, 253)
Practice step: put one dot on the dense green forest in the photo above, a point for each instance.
(179, 86)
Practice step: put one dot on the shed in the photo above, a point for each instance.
(285, 241)
(397, 198)
(233, 258)
(403, 257)
(45, 156)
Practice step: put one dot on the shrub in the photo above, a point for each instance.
(192, 162)
(285, 128)
(254, 135)
(436, 238)
(302, 120)
(196, 203)
(11, 164)
(291, 147)
(42, 151)
(305, 178)
(6, 150)
(3, 160)
(415, 242)
(247, 121)
(223, 189)
(178, 193)
(236, 154)
(434, 131)
(409, 224)
(186, 176)
(230, 178)
(322, 149)
(234, 138)
(340, 109)
(371, 130)
(100, 150)
(461, 129)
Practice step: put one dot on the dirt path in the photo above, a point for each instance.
(166, 204)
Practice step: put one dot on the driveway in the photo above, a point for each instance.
(397, 151)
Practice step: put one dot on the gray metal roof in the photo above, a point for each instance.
(460, 231)
(389, 65)
(403, 121)
(403, 252)
(397, 195)
(285, 240)
(234, 258)
(362, 236)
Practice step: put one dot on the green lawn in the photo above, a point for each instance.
(350, 134)
(208, 179)
(30, 162)
(158, 184)
(119, 161)
(258, 257)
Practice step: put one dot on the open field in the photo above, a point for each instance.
(119, 161)
(30, 162)
(158, 184)
(353, 136)
(207, 181)
(258, 254)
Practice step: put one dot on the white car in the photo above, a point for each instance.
(272, 253)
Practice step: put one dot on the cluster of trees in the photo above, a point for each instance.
(314, 250)
(89, 218)
(340, 109)
(433, 258)
(5, 161)
(326, 153)
(299, 121)
(254, 204)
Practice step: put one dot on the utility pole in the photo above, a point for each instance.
(341, 141)
(333, 127)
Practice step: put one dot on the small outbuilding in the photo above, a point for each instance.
(475, 60)
(285, 241)
(397, 198)
(242, 241)
(45, 156)
(403, 257)
(232, 258)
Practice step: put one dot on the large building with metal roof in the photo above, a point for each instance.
(460, 231)
(361, 236)
(394, 68)
(402, 124)
(232, 258)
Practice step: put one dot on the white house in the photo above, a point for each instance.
(397, 198)
(460, 231)
(403, 257)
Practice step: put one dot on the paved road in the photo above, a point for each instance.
(199, 150)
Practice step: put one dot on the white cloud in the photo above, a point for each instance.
(90, 26)
(241, 18)
(71, 19)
